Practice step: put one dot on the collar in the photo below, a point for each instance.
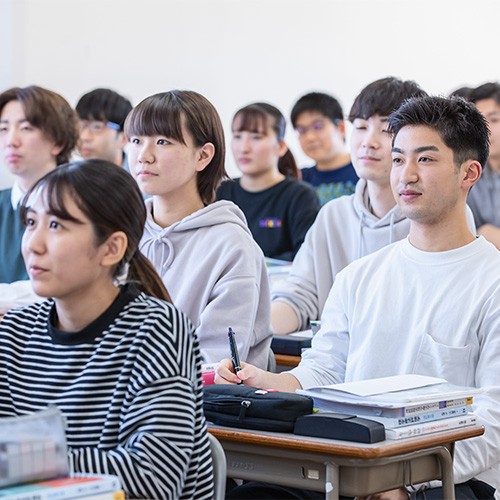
(16, 195)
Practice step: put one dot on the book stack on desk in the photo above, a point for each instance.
(407, 405)
(81, 486)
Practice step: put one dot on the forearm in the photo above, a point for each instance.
(255, 377)
(283, 318)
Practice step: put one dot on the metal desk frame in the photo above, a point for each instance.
(341, 467)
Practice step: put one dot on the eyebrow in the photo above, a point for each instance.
(421, 149)
(18, 121)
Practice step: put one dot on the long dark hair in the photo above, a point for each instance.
(110, 198)
(257, 118)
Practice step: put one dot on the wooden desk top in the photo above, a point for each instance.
(344, 448)
(287, 360)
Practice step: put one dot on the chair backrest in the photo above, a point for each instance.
(271, 362)
(220, 469)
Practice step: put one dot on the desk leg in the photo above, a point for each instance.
(332, 483)
(446, 462)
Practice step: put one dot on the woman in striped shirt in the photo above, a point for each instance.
(121, 363)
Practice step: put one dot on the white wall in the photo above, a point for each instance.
(238, 51)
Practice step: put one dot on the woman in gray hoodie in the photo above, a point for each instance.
(202, 249)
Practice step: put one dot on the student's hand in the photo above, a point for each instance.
(249, 374)
(399, 494)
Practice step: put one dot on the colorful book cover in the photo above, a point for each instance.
(77, 486)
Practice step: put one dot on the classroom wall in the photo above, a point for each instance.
(238, 51)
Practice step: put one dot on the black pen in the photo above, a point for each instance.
(233, 349)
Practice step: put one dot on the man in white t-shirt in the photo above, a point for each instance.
(429, 304)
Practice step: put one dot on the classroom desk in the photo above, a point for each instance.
(340, 467)
(287, 361)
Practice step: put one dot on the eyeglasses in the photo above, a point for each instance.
(315, 126)
(97, 127)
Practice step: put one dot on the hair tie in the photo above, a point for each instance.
(135, 256)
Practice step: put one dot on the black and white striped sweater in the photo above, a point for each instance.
(129, 385)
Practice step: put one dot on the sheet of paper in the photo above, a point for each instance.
(386, 384)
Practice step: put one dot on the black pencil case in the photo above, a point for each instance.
(252, 408)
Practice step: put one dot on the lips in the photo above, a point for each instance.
(244, 161)
(146, 173)
(36, 271)
(409, 194)
(12, 158)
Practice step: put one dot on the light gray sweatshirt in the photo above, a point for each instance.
(216, 274)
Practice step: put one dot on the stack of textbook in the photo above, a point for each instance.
(34, 463)
(407, 405)
(78, 486)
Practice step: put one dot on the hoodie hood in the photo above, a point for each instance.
(159, 243)
(368, 220)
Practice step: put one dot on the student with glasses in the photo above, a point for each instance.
(38, 131)
(102, 114)
(319, 121)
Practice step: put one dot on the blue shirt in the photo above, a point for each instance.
(331, 184)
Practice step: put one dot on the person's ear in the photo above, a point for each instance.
(282, 148)
(341, 126)
(122, 140)
(205, 155)
(56, 150)
(471, 171)
(114, 249)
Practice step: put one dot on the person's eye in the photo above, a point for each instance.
(318, 125)
(257, 137)
(236, 136)
(301, 130)
(425, 159)
(97, 127)
(54, 224)
(360, 127)
(135, 140)
(163, 142)
(386, 131)
(3, 130)
(397, 161)
(26, 128)
(30, 222)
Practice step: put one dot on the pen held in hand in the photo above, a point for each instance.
(233, 348)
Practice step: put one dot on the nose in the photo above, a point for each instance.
(371, 139)
(145, 154)
(33, 241)
(408, 173)
(13, 137)
(85, 134)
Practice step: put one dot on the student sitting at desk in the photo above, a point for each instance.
(279, 209)
(121, 365)
(38, 131)
(204, 251)
(352, 226)
(429, 304)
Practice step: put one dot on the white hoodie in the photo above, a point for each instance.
(343, 231)
(216, 274)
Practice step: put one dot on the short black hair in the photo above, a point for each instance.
(325, 104)
(383, 96)
(490, 90)
(104, 104)
(464, 92)
(459, 123)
